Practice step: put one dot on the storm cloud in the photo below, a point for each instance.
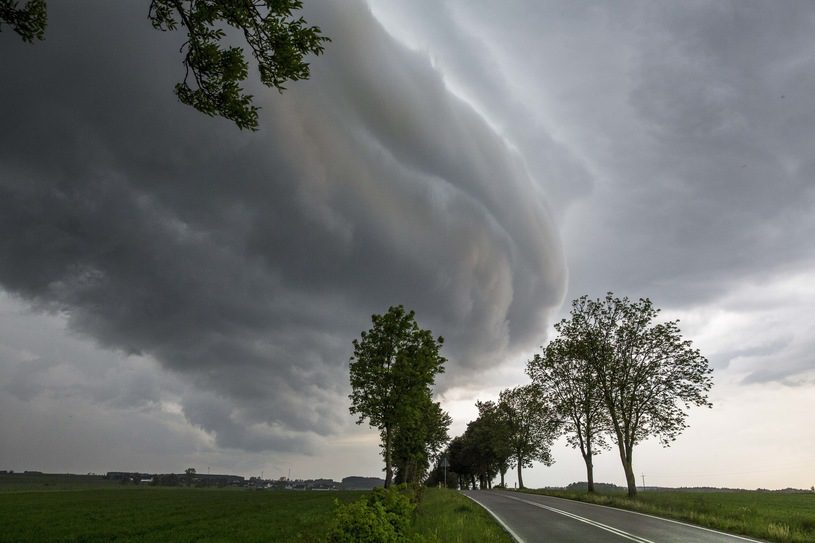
(246, 263)
(676, 143)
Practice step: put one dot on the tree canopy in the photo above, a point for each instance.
(532, 426)
(647, 374)
(214, 72)
(391, 371)
(569, 385)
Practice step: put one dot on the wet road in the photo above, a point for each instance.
(531, 518)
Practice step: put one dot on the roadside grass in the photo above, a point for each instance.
(142, 514)
(774, 516)
(448, 516)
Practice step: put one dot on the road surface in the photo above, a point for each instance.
(532, 518)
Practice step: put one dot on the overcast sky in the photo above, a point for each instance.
(175, 292)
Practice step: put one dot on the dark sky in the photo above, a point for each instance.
(164, 272)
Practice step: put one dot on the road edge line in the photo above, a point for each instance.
(503, 525)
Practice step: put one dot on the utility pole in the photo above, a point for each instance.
(643, 481)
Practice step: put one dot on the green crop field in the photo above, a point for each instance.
(774, 516)
(70, 508)
(130, 514)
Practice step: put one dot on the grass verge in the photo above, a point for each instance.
(446, 515)
(774, 516)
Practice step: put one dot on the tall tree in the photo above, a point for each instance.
(278, 40)
(531, 427)
(570, 385)
(647, 374)
(392, 369)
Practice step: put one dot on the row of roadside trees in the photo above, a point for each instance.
(513, 432)
(614, 376)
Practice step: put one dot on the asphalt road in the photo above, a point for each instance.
(531, 518)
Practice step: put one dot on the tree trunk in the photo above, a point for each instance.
(625, 456)
(520, 475)
(503, 472)
(388, 464)
(589, 471)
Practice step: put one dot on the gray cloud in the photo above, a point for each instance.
(246, 263)
(713, 182)
(675, 141)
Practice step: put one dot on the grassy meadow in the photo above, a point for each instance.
(87, 509)
(774, 516)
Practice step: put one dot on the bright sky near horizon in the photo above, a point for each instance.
(176, 293)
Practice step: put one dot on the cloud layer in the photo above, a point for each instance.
(245, 263)
(675, 142)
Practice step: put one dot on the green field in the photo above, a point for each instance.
(131, 514)
(57, 508)
(774, 516)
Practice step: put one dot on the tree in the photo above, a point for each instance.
(570, 385)
(481, 452)
(214, 72)
(189, 476)
(531, 427)
(421, 435)
(392, 368)
(491, 430)
(647, 374)
(460, 465)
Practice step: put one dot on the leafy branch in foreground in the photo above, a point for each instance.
(278, 42)
(214, 73)
(29, 21)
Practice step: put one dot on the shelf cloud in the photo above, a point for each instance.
(246, 263)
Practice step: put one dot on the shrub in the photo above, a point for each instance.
(385, 516)
(361, 522)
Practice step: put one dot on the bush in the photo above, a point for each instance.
(385, 516)
(361, 522)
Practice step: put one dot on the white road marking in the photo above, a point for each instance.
(509, 530)
(600, 525)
